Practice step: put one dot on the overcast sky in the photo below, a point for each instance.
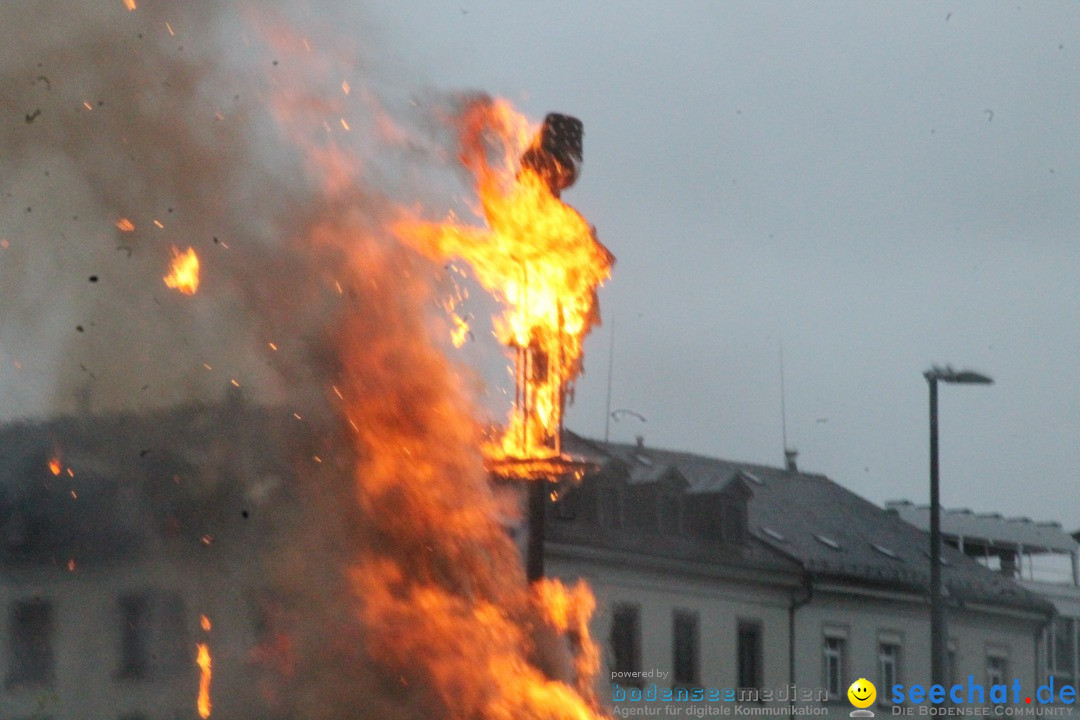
(876, 186)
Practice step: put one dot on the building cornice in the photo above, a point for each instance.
(767, 576)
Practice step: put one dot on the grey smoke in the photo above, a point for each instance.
(211, 128)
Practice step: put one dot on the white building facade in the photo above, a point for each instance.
(1040, 556)
(792, 581)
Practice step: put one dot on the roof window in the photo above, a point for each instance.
(774, 534)
(885, 551)
(827, 541)
(752, 477)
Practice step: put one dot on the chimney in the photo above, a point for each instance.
(789, 459)
(640, 442)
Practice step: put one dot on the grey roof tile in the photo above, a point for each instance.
(832, 532)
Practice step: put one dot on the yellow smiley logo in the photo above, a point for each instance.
(862, 693)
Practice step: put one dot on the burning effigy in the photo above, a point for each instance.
(536, 254)
(229, 227)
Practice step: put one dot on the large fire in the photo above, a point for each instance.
(537, 255)
(435, 617)
(439, 585)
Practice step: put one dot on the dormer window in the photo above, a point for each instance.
(609, 511)
(670, 512)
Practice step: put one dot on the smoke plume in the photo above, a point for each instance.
(128, 132)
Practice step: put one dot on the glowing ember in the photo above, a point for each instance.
(125, 225)
(184, 271)
(203, 661)
(54, 466)
(204, 622)
(538, 256)
(460, 333)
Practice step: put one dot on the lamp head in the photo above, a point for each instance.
(960, 377)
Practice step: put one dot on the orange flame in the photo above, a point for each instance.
(538, 256)
(184, 271)
(461, 331)
(439, 588)
(569, 611)
(203, 661)
(54, 466)
(441, 594)
(129, 4)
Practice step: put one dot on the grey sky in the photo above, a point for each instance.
(878, 186)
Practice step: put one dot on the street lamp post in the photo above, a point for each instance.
(938, 630)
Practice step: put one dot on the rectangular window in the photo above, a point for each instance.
(834, 666)
(888, 669)
(30, 660)
(997, 669)
(610, 506)
(686, 647)
(669, 513)
(1062, 665)
(626, 640)
(134, 637)
(566, 504)
(750, 649)
(153, 635)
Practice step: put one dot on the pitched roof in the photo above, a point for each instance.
(638, 470)
(832, 532)
(991, 529)
(123, 482)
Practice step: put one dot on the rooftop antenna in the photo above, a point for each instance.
(783, 407)
(610, 366)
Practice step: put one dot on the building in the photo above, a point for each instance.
(1040, 556)
(734, 575)
(683, 584)
(127, 541)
